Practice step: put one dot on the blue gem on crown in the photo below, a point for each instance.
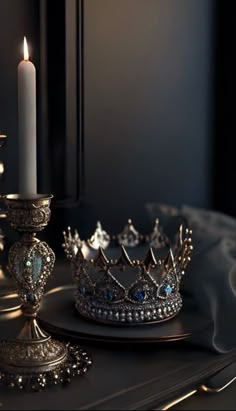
(103, 296)
(109, 296)
(139, 296)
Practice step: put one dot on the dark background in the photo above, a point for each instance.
(156, 97)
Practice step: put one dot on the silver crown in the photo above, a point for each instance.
(154, 296)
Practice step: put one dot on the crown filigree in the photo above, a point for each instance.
(104, 292)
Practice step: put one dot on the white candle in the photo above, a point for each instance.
(27, 125)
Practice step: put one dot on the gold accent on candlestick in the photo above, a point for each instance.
(34, 360)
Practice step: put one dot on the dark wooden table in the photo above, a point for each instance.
(222, 401)
(126, 377)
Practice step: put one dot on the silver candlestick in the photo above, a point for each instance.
(34, 360)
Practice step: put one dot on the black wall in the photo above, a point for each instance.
(225, 170)
(149, 77)
(148, 101)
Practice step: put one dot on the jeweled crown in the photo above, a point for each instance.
(103, 273)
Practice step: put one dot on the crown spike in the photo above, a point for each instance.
(124, 259)
(72, 244)
(149, 261)
(169, 261)
(129, 237)
(157, 237)
(79, 255)
(69, 233)
(179, 245)
(180, 237)
(100, 238)
(100, 259)
(76, 235)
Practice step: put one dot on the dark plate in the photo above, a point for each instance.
(58, 315)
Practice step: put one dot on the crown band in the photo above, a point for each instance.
(124, 314)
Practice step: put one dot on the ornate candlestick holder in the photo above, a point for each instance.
(34, 360)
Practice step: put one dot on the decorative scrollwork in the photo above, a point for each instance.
(31, 354)
(28, 215)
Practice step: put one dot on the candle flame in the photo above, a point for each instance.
(26, 50)
(1, 172)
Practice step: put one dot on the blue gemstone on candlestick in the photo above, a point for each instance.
(168, 290)
(83, 290)
(32, 298)
(37, 267)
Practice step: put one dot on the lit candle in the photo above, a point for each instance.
(27, 125)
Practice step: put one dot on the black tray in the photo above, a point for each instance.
(59, 316)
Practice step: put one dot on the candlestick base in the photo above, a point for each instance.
(34, 360)
(35, 364)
